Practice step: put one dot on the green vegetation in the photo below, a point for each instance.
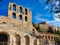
(57, 32)
(57, 40)
(38, 29)
(50, 30)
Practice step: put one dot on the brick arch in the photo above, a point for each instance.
(27, 40)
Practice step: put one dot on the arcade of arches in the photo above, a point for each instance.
(19, 39)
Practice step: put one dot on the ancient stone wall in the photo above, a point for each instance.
(21, 14)
(18, 27)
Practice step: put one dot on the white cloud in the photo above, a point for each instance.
(42, 15)
(41, 19)
(53, 22)
(57, 3)
(46, 8)
(38, 17)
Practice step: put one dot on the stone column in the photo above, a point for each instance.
(23, 41)
(32, 40)
(11, 41)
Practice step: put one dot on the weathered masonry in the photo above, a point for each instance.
(17, 28)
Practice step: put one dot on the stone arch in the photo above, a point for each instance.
(4, 38)
(20, 17)
(18, 39)
(25, 18)
(49, 37)
(33, 31)
(35, 42)
(14, 15)
(14, 7)
(45, 37)
(25, 11)
(27, 40)
(20, 9)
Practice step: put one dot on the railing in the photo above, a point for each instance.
(3, 43)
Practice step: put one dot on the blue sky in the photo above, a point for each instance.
(39, 13)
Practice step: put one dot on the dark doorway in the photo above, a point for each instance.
(3, 39)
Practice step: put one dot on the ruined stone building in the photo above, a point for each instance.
(17, 28)
(45, 26)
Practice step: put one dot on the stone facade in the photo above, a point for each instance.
(45, 26)
(17, 28)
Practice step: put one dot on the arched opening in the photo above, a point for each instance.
(45, 37)
(25, 18)
(14, 7)
(49, 37)
(20, 10)
(20, 17)
(27, 40)
(25, 12)
(4, 39)
(35, 42)
(18, 39)
(33, 31)
(14, 15)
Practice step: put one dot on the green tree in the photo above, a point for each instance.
(57, 32)
(38, 29)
